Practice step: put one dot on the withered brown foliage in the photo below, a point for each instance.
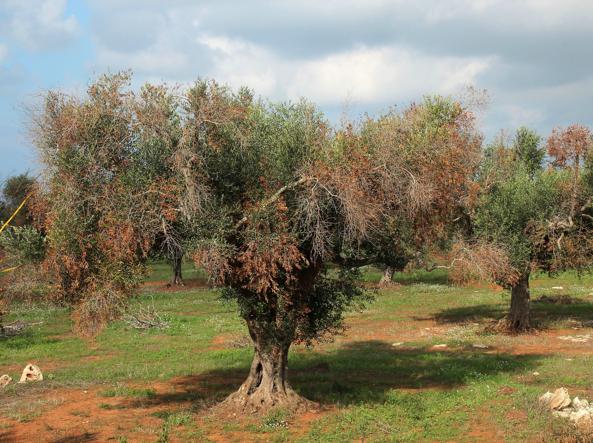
(105, 191)
(481, 262)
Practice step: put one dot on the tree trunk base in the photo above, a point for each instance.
(518, 321)
(266, 387)
(177, 281)
(506, 326)
(263, 400)
(387, 277)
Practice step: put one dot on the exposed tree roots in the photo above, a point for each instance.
(266, 388)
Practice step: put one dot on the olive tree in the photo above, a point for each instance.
(105, 190)
(14, 190)
(438, 149)
(530, 218)
(265, 196)
(273, 195)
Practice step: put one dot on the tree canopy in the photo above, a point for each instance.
(263, 196)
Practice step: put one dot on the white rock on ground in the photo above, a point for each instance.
(5, 380)
(560, 399)
(580, 412)
(31, 373)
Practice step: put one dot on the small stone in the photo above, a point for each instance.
(579, 404)
(582, 418)
(399, 343)
(479, 346)
(31, 373)
(545, 399)
(560, 399)
(440, 346)
(5, 380)
(557, 287)
(563, 414)
(536, 373)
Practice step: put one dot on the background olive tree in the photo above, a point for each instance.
(529, 217)
(106, 191)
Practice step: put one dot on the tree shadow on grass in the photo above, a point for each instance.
(473, 313)
(359, 372)
(543, 313)
(437, 277)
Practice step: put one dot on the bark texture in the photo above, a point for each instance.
(266, 386)
(272, 333)
(387, 277)
(177, 279)
(518, 319)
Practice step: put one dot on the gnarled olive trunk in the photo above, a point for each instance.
(177, 279)
(266, 385)
(272, 333)
(518, 319)
(387, 277)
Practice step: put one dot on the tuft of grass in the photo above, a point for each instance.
(277, 419)
(125, 391)
(171, 420)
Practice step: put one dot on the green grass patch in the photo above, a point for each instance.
(377, 392)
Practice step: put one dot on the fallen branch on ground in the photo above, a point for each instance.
(146, 318)
(15, 328)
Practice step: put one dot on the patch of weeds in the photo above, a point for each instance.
(171, 420)
(175, 418)
(163, 436)
(125, 391)
(32, 410)
(275, 420)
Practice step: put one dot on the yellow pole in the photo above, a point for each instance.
(15, 213)
(9, 269)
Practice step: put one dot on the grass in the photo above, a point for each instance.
(125, 391)
(370, 389)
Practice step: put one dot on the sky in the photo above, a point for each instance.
(533, 57)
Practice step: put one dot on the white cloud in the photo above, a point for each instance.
(386, 74)
(363, 74)
(39, 24)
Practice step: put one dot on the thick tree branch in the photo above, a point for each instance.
(273, 198)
